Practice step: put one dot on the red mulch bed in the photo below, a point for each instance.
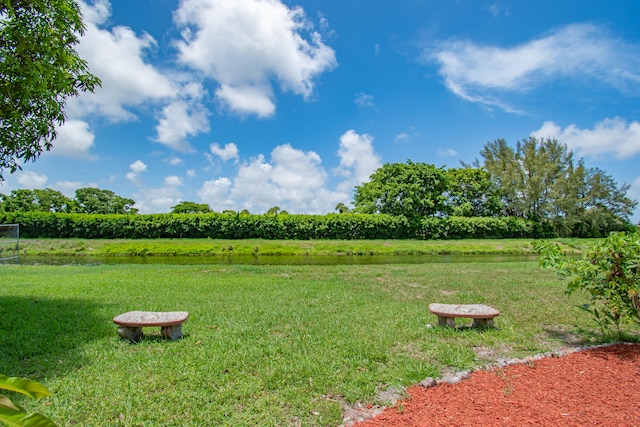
(597, 387)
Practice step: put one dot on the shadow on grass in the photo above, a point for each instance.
(42, 337)
(152, 334)
(568, 336)
(577, 337)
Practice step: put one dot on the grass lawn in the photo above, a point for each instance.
(264, 345)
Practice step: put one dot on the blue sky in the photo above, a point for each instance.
(261, 103)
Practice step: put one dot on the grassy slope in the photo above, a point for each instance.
(208, 247)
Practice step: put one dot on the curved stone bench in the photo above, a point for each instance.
(481, 314)
(131, 323)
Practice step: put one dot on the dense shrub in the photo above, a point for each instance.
(299, 227)
(608, 272)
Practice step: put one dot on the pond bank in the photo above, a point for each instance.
(255, 247)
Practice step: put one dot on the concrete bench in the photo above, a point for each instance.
(481, 314)
(131, 323)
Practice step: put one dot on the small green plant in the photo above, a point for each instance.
(609, 272)
(14, 415)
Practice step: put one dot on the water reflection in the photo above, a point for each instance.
(275, 259)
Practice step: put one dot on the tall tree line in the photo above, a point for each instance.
(87, 200)
(538, 179)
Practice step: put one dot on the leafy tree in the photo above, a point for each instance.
(526, 177)
(342, 208)
(190, 208)
(97, 201)
(46, 200)
(412, 190)
(273, 211)
(591, 204)
(245, 212)
(603, 192)
(54, 201)
(539, 180)
(19, 201)
(472, 194)
(609, 273)
(39, 70)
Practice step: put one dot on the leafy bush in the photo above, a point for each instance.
(609, 272)
(14, 415)
(299, 227)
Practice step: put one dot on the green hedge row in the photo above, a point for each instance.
(298, 227)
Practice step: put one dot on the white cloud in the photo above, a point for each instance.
(247, 99)
(180, 119)
(117, 57)
(153, 200)
(74, 140)
(138, 166)
(401, 136)
(450, 152)
(191, 173)
(357, 159)
(497, 10)
(613, 137)
(297, 173)
(485, 73)
(216, 193)
(175, 161)
(173, 181)
(364, 100)
(230, 151)
(292, 179)
(135, 169)
(246, 45)
(31, 180)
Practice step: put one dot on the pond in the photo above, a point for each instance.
(275, 259)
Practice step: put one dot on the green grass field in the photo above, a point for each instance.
(264, 345)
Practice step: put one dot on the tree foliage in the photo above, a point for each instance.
(96, 201)
(471, 193)
(191, 208)
(87, 200)
(527, 176)
(39, 70)
(609, 272)
(342, 208)
(539, 180)
(412, 190)
(46, 200)
(12, 414)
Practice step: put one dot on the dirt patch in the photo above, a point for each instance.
(585, 388)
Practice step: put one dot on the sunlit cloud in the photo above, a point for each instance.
(30, 179)
(173, 181)
(228, 152)
(117, 56)
(402, 136)
(135, 169)
(358, 159)
(248, 47)
(364, 100)
(487, 74)
(74, 140)
(450, 152)
(613, 137)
